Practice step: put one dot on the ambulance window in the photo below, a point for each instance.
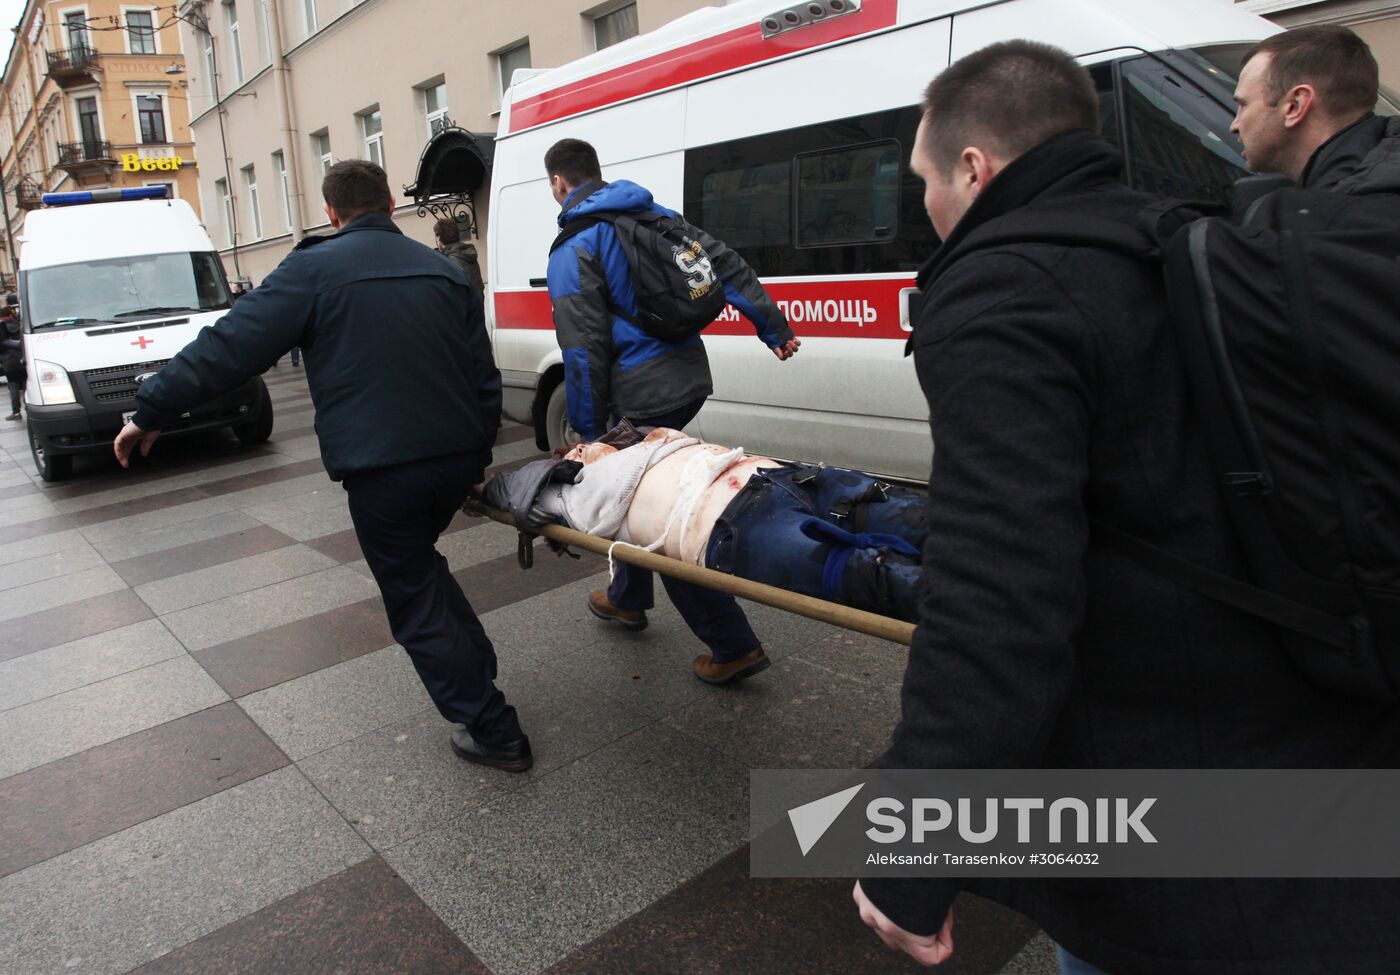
(848, 195)
(1178, 139)
(832, 198)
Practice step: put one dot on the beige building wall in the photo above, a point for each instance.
(356, 58)
(1376, 21)
(109, 70)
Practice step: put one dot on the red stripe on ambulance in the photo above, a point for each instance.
(814, 309)
(739, 48)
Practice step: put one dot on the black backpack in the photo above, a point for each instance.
(678, 292)
(1290, 332)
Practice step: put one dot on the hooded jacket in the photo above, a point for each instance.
(611, 367)
(1057, 395)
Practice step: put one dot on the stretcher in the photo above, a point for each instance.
(846, 617)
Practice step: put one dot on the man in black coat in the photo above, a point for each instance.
(408, 401)
(1057, 396)
(1306, 100)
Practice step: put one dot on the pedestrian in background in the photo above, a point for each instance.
(450, 244)
(16, 373)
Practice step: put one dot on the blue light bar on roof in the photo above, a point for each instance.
(105, 196)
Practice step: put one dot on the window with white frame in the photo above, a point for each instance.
(265, 30)
(235, 47)
(372, 127)
(321, 145)
(250, 182)
(435, 107)
(140, 32)
(308, 10)
(510, 60)
(75, 26)
(221, 190)
(615, 25)
(279, 163)
(150, 112)
(209, 80)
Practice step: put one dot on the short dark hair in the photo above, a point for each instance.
(356, 186)
(447, 230)
(1008, 97)
(573, 159)
(1331, 58)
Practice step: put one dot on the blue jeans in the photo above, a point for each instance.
(714, 617)
(1070, 965)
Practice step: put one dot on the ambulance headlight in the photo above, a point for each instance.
(54, 387)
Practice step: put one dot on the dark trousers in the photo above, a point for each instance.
(16, 392)
(714, 617)
(399, 512)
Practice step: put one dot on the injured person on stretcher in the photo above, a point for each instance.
(827, 532)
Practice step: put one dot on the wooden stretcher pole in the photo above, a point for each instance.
(846, 617)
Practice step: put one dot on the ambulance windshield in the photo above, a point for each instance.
(124, 289)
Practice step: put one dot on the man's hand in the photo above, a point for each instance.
(127, 440)
(933, 949)
(787, 350)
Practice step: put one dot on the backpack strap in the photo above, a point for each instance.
(575, 227)
(1351, 636)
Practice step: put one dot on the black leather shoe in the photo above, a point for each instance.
(515, 757)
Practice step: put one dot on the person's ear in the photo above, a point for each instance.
(975, 170)
(1296, 105)
(332, 216)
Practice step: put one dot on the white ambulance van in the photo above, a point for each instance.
(785, 131)
(112, 284)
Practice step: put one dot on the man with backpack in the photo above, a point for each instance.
(1306, 100)
(633, 284)
(1063, 414)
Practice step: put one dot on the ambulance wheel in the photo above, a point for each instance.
(51, 468)
(556, 420)
(257, 431)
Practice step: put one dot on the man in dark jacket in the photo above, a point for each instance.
(451, 245)
(1057, 397)
(408, 401)
(615, 370)
(1305, 109)
(13, 342)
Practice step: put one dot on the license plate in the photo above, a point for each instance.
(126, 417)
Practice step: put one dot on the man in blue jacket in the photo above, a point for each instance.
(615, 370)
(408, 401)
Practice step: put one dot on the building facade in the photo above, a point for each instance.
(94, 96)
(1377, 21)
(281, 89)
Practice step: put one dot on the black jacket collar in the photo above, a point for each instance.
(1341, 155)
(365, 221)
(1061, 164)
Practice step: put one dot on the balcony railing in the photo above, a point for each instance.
(73, 155)
(28, 194)
(72, 63)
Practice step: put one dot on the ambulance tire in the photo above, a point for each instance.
(259, 430)
(556, 420)
(50, 467)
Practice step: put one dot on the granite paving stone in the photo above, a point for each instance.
(365, 921)
(282, 653)
(66, 723)
(106, 531)
(277, 490)
(134, 896)
(55, 670)
(861, 657)
(63, 624)
(32, 529)
(161, 500)
(173, 536)
(239, 615)
(35, 597)
(321, 710)
(231, 578)
(26, 508)
(287, 469)
(308, 515)
(106, 492)
(528, 877)
(796, 715)
(65, 562)
(199, 555)
(58, 807)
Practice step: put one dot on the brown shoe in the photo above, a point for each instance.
(628, 619)
(753, 662)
